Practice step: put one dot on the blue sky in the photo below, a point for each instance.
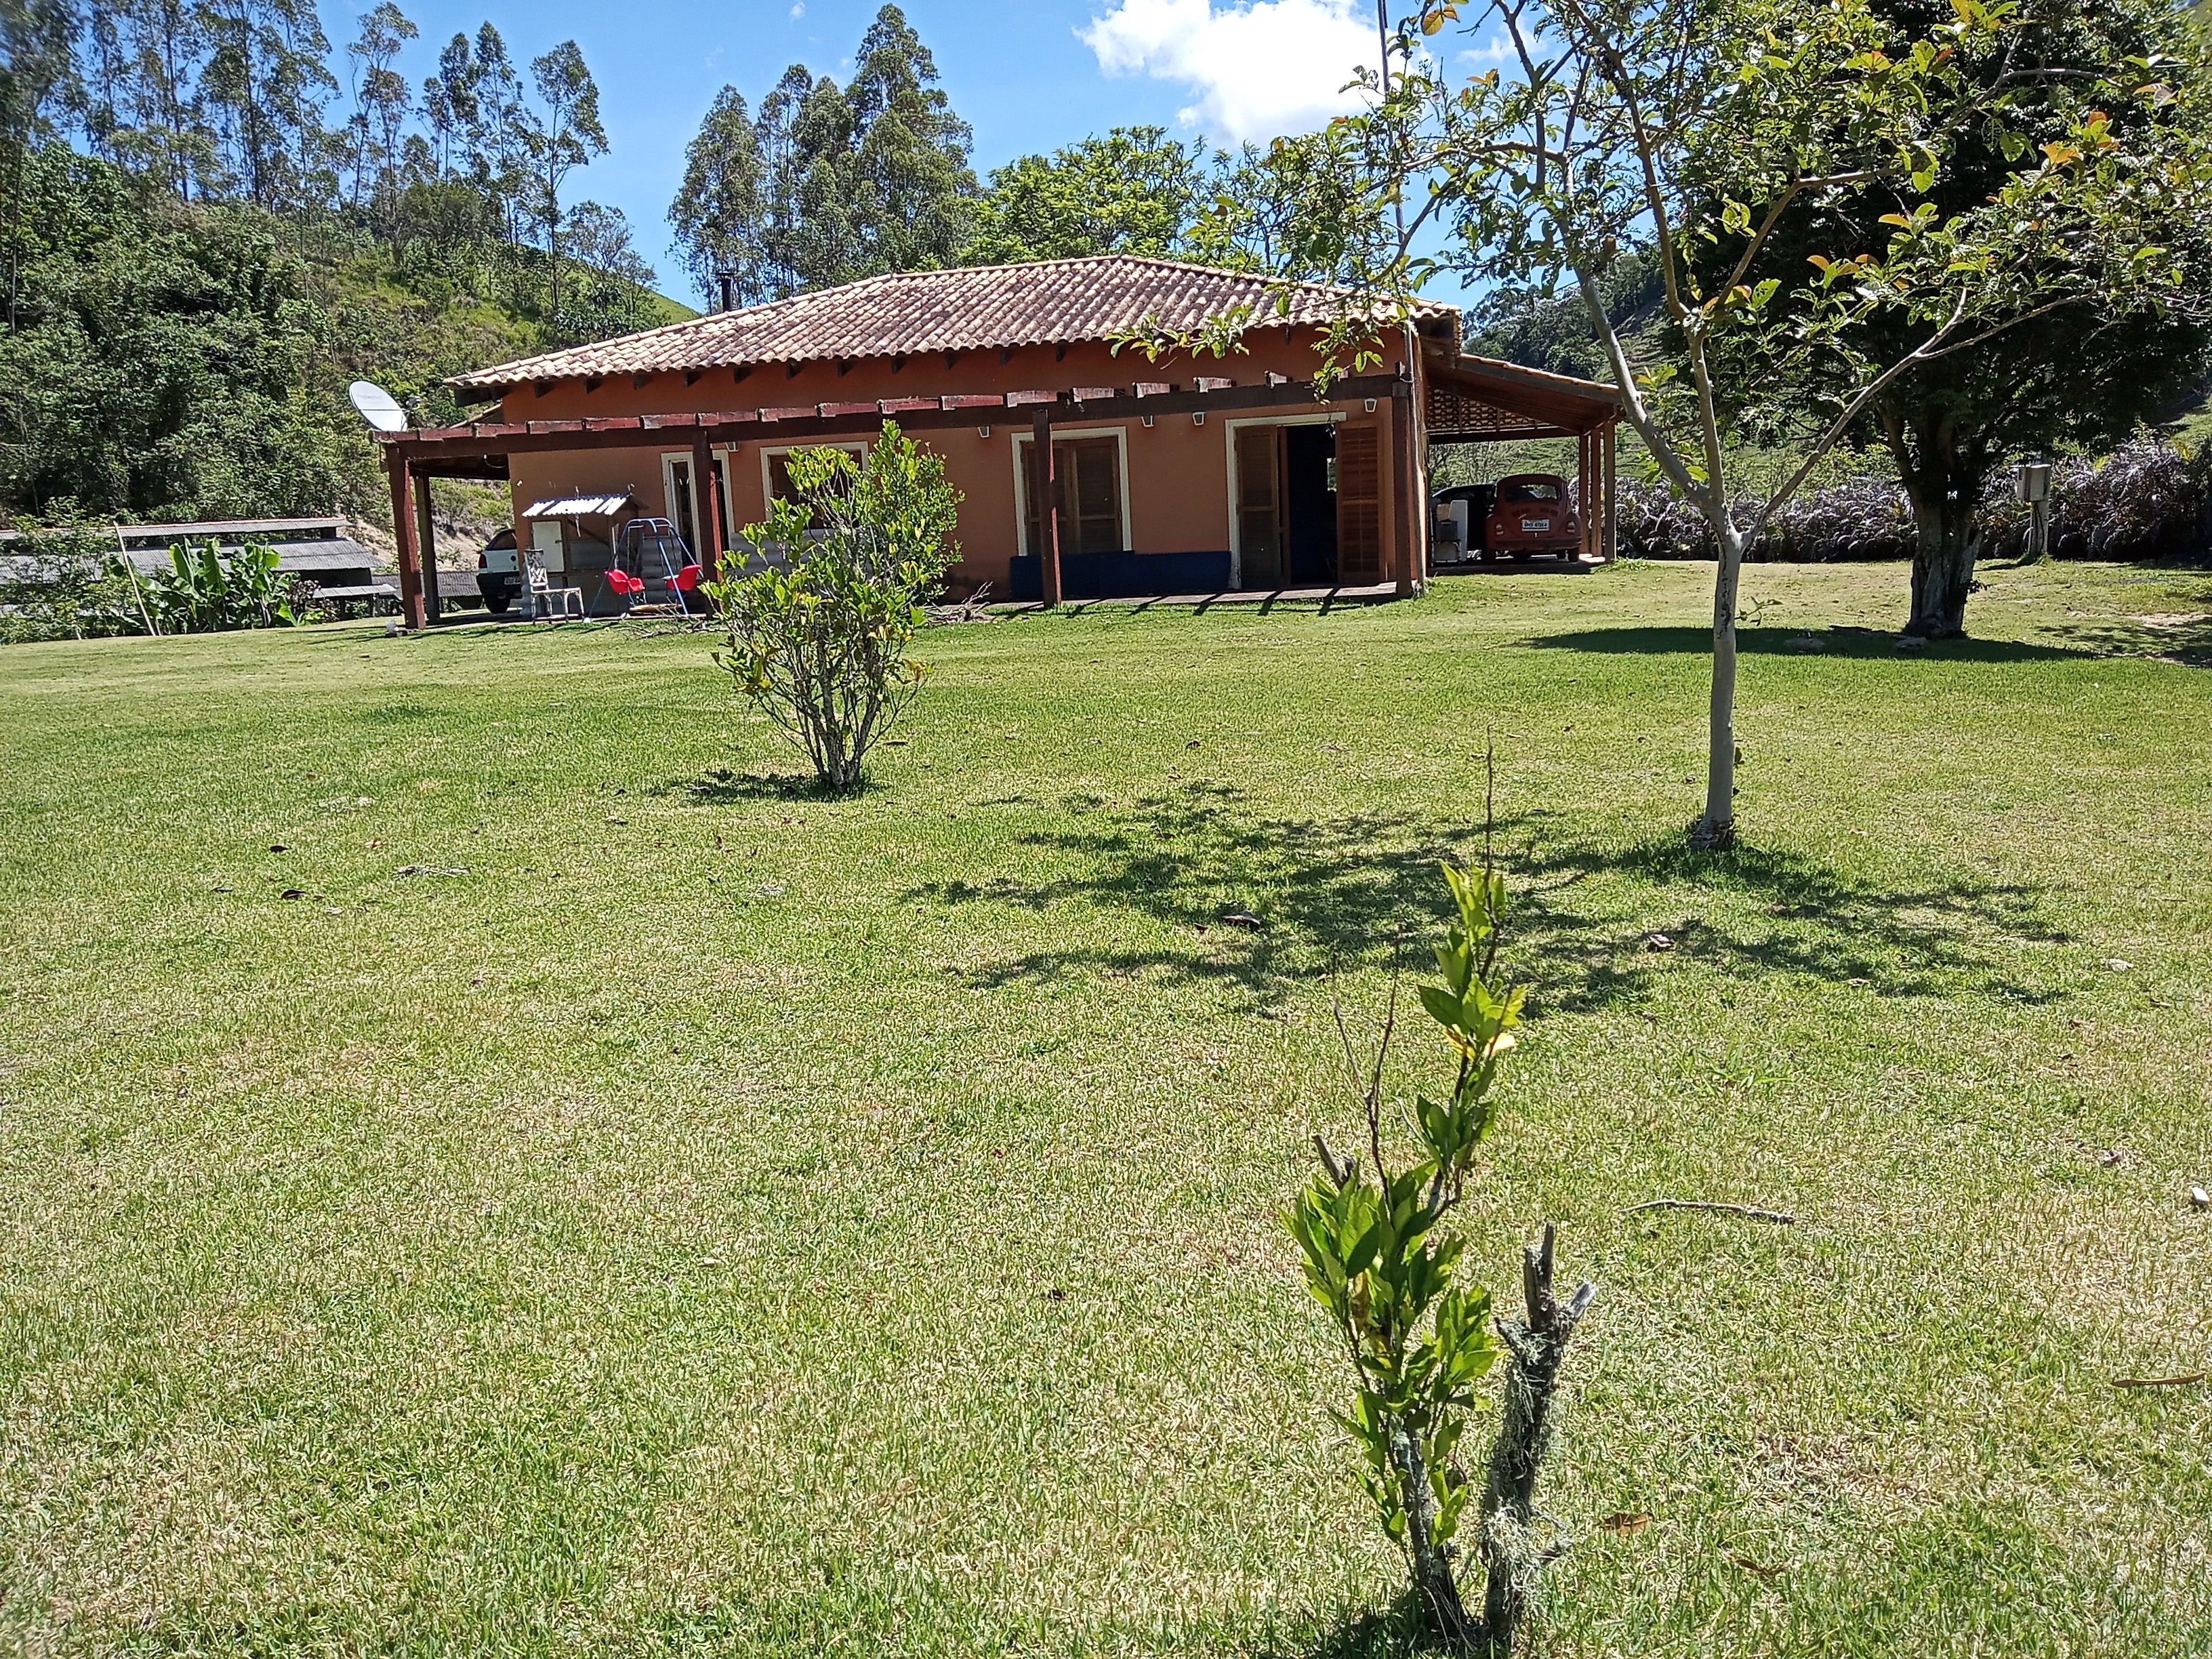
(1027, 78)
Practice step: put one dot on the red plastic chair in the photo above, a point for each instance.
(631, 588)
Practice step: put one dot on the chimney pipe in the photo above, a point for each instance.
(728, 282)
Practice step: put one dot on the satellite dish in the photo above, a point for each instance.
(377, 406)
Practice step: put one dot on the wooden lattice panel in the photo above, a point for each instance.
(1453, 412)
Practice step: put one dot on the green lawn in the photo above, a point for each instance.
(690, 1216)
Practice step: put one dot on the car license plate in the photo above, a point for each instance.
(1535, 524)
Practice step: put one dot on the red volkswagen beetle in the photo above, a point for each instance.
(1532, 516)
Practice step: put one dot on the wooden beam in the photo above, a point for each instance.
(738, 373)
(425, 536)
(403, 531)
(805, 421)
(706, 497)
(1048, 474)
(1612, 548)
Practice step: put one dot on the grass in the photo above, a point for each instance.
(687, 1215)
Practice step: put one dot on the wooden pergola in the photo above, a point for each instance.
(1480, 400)
(480, 450)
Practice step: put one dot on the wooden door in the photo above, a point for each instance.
(1259, 507)
(1360, 502)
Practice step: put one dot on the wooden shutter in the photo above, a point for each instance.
(1258, 507)
(1360, 502)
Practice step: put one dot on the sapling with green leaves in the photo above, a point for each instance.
(1380, 1258)
(817, 638)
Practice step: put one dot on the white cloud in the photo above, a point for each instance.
(798, 11)
(1259, 70)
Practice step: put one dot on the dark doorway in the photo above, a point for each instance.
(1310, 503)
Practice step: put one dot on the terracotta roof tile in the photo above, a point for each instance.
(1047, 302)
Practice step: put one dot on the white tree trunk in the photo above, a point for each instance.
(1717, 827)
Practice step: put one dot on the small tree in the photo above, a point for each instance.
(818, 640)
(1683, 133)
(1379, 1259)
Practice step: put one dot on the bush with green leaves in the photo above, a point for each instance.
(67, 584)
(1380, 1258)
(204, 591)
(816, 638)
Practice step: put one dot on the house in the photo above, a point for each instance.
(1177, 475)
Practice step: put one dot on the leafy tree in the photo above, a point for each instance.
(261, 94)
(2084, 372)
(162, 360)
(720, 205)
(1667, 128)
(382, 102)
(562, 135)
(142, 98)
(909, 181)
(818, 639)
(1132, 191)
(1294, 209)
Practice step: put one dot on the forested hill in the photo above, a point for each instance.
(169, 360)
(193, 265)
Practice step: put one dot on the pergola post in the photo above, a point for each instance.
(1048, 515)
(403, 530)
(1611, 546)
(426, 539)
(709, 500)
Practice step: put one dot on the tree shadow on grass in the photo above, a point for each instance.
(722, 784)
(1397, 1632)
(1264, 903)
(1840, 641)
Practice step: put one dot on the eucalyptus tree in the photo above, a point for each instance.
(560, 134)
(382, 102)
(719, 205)
(855, 180)
(1687, 132)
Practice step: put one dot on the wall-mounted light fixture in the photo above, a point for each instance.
(1150, 419)
(1198, 417)
(1370, 405)
(982, 431)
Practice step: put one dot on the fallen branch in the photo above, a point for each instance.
(1779, 1217)
(2160, 1381)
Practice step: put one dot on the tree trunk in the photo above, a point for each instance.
(1715, 827)
(1943, 469)
(1511, 1551)
(1433, 1581)
(1947, 543)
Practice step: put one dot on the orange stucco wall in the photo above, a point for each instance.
(1178, 471)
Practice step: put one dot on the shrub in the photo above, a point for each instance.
(67, 584)
(818, 639)
(1860, 518)
(1379, 1259)
(2146, 498)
